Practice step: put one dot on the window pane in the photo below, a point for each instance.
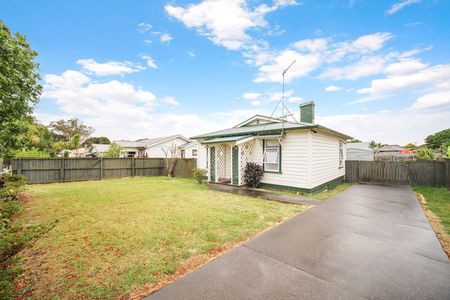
(271, 167)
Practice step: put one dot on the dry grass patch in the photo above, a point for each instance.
(127, 237)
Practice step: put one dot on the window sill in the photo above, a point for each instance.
(273, 172)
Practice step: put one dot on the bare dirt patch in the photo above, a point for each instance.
(435, 222)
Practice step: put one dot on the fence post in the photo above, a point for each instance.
(447, 173)
(61, 171)
(19, 167)
(133, 169)
(101, 168)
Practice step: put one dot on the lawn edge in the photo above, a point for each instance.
(435, 221)
(196, 262)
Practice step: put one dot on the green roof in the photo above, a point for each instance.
(226, 139)
(264, 129)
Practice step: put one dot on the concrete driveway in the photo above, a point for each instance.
(369, 242)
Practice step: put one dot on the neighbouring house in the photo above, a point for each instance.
(394, 152)
(191, 149)
(151, 147)
(97, 150)
(304, 156)
(80, 152)
(359, 151)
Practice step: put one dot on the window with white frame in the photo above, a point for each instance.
(272, 155)
(341, 154)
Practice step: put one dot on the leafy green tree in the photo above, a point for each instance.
(65, 130)
(113, 151)
(97, 140)
(374, 145)
(410, 146)
(33, 152)
(423, 153)
(19, 89)
(354, 141)
(38, 136)
(435, 141)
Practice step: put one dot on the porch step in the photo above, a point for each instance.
(244, 191)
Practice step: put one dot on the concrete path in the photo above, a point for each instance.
(369, 242)
(273, 196)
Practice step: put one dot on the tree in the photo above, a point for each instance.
(423, 153)
(374, 145)
(172, 155)
(435, 141)
(65, 130)
(97, 140)
(19, 89)
(354, 141)
(410, 146)
(113, 151)
(38, 136)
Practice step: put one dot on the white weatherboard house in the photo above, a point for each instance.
(304, 156)
(151, 147)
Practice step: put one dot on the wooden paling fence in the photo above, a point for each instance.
(47, 170)
(421, 172)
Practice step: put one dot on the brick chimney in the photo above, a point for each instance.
(307, 112)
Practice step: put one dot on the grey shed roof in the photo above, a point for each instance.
(264, 129)
(391, 148)
(146, 142)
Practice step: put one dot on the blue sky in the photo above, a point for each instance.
(375, 69)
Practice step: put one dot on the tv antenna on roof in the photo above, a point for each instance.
(283, 105)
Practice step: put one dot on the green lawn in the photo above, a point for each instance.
(319, 196)
(438, 201)
(116, 235)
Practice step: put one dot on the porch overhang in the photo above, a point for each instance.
(230, 139)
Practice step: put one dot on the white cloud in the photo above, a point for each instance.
(398, 6)
(366, 66)
(405, 67)
(191, 53)
(170, 101)
(396, 127)
(304, 64)
(116, 109)
(316, 45)
(332, 88)
(165, 38)
(431, 77)
(149, 60)
(224, 22)
(109, 68)
(312, 54)
(251, 96)
(295, 99)
(144, 27)
(432, 101)
(255, 103)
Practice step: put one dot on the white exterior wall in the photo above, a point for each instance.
(201, 157)
(325, 158)
(295, 167)
(156, 150)
(188, 151)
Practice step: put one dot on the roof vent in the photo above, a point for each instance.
(307, 112)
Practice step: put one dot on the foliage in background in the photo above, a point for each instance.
(113, 151)
(435, 141)
(354, 141)
(198, 174)
(103, 140)
(64, 131)
(253, 174)
(410, 146)
(19, 89)
(14, 236)
(38, 136)
(33, 152)
(375, 145)
(423, 153)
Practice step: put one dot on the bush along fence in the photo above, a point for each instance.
(47, 170)
(420, 172)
